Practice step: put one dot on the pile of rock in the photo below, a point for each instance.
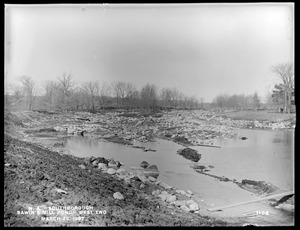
(189, 154)
(176, 198)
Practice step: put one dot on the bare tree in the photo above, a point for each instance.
(130, 94)
(50, 87)
(166, 96)
(91, 88)
(28, 89)
(66, 86)
(149, 97)
(103, 92)
(286, 75)
(18, 93)
(256, 101)
(119, 90)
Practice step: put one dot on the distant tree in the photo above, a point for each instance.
(66, 87)
(50, 88)
(221, 101)
(119, 89)
(166, 96)
(256, 101)
(103, 92)
(285, 73)
(130, 94)
(28, 90)
(17, 93)
(149, 97)
(91, 89)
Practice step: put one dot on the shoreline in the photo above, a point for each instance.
(32, 130)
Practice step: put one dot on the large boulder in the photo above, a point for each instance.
(151, 171)
(189, 154)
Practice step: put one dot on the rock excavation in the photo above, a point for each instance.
(38, 174)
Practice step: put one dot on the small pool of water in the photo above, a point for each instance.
(264, 155)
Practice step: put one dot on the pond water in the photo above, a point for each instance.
(265, 155)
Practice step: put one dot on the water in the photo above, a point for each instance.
(265, 155)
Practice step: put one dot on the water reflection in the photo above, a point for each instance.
(264, 155)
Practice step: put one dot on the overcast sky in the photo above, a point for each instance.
(200, 49)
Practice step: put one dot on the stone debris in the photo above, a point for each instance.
(118, 195)
(165, 185)
(60, 191)
(121, 171)
(111, 171)
(82, 166)
(144, 164)
(189, 192)
(151, 171)
(152, 179)
(102, 166)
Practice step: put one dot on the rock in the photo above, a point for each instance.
(193, 206)
(118, 195)
(184, 208)
(180, 192)
(102, 166)
(189, 154)
(155, 192)
(171, 198)
(151, 171)
(142, 186)
(144, 164)
(121, 171)
(58, 144)
(7, 165)
(243, 138)
(152, 179)
(92, 159)
(165, 193)
(61, 191)
(82, 166)
(119, 164)
(112, 164)
(179, 203)
(163, 197)
(111, 171)
(189, 192)
(102, 160)
(165, 185)
(142, 178)
(188, 195)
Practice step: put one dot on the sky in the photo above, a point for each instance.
(200, 49)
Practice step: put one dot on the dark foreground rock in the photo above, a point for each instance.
(189, 154)
(38, 177)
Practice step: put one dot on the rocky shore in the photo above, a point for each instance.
(39, 177)
(42, 187)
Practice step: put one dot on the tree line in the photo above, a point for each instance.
(66, 94)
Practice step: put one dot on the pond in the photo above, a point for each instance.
(265, 155)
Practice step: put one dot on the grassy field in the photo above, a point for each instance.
(260, 116)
